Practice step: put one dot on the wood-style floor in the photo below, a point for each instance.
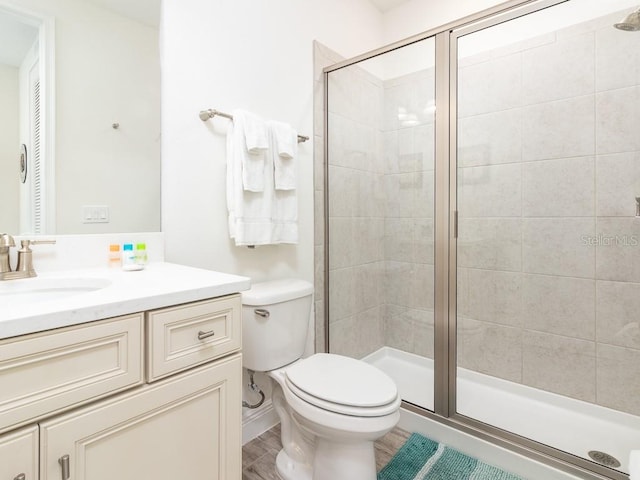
(259, 455)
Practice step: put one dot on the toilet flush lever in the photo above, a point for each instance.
(262, 312)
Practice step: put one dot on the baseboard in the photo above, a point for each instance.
(256, 422)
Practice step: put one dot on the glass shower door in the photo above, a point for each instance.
(380, 215)
(548, 252)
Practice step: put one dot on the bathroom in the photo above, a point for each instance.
(238, 60)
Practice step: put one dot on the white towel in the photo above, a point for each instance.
(286, 146)
(258, 218)
(634, 465)
(250, 218)
(252, 143)
(285, 207)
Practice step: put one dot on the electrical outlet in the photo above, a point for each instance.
(95, 214)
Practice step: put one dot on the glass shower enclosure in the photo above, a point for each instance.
(483, 225)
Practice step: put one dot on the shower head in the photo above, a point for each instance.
(630, 23)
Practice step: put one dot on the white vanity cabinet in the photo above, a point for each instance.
(19, 454)
(153, 395)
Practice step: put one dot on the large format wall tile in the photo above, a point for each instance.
(490, 191)
(556, 246)
(341, 297)
(618, 373)
(489, 348)
(490, 139)
(399, 239)
(559, 188)
(562, 69)
(423, 241)
(340, 242)
(342, 188)
(490, 243)
(495, 297)
(559, 305)
(559, 364)
(618, 249)
(617, 184)
(617, 307)
(617, 59)
(490, 86)
(617, 118)
(559, 129)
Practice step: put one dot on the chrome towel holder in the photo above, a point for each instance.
(210, 113)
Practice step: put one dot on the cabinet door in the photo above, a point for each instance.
(48, 372)
(19, 454)
(188, 426)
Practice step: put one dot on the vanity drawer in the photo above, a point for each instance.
(56, 370)
(188, 335)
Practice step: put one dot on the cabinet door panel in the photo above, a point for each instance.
(53, 371)
(187, 426)
(19, 454)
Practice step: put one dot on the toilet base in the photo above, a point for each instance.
(344, 460)
(288, 469)
(332, 462)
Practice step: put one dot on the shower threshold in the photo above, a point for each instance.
(574, 426)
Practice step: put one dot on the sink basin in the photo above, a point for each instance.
(37, 290)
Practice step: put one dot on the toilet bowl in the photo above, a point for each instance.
(331, 408)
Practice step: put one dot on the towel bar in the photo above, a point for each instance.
(210, 113)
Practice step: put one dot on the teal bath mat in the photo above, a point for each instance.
(423, 459)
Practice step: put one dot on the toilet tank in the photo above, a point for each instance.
(275, 320)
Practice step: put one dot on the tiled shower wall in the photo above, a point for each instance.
(408, 146)
(356, 213)
(549, 246)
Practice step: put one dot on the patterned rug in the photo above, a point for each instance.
(423, 459)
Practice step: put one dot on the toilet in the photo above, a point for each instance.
(331, 408)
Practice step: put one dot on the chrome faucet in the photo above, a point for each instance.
(6, 242)
(24, 269)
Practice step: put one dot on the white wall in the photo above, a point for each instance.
(417, 16)
(9, 148)
(256, 55)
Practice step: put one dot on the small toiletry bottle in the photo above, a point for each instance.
(141, 254)
(114, 255)
(129, 257)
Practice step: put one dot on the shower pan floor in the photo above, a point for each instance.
(567, 424)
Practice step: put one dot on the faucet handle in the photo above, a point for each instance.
(6, 240)
(25, 257)
(26, 243)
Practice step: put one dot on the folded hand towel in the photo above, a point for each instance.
(286, 145)
(251, 144)
(250, 213)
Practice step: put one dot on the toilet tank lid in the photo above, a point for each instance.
(276, 291)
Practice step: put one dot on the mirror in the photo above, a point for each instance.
(80, 89)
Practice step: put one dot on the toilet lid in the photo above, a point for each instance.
(332, 381)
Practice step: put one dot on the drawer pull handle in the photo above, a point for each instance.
(22, 476)
(64, 463)
(202, 335)
(262, 312)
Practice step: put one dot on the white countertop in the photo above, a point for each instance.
(158, 285)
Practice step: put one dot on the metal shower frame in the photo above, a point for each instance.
(445, 238)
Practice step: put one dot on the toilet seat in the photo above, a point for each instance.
(342, 385)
